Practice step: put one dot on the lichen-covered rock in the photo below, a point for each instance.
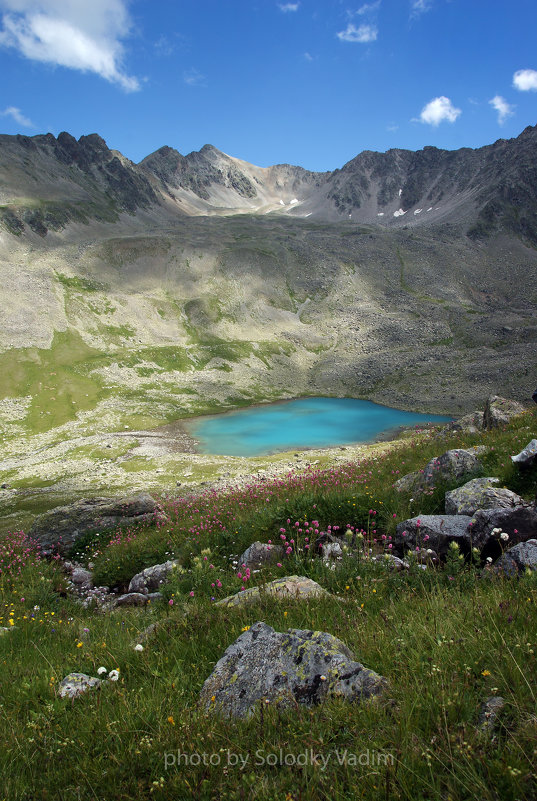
(260, 554)
(76, 683)
(150, 579)
(58, 530)
(433, 531)
(527, 456)
(479, 493)
(517, 559)
(488, 713)
(450, 466)
(469, 424)
(304, 667)
(499, 411)
(286, 588)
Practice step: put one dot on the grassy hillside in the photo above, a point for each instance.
(444, 638)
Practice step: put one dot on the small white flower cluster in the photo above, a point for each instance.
(503, 535)
(112, 676)
(138, 647)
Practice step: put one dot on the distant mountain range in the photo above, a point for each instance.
(48, 182)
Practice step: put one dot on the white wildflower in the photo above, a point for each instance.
(114, 675)
(489, 559)
(138, 647)
(504, 536)
(101, 670)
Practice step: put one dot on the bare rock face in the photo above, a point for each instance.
(304, 667)
(479, 493)
(58, 530)
(487, 525)
(289, 587)
(527, 456)
(498, 411)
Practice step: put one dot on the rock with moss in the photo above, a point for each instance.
(499, 411)
(516, 525)
(480, 493)
(528, 456)
(57, 531)
(488, 714)
(287, 588)
(264, 666)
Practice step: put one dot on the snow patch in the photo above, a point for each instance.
(380, 214)
(399, 213)
(400, 192)
(308, 215)
(430, 209)
(418, 211)
(282, 203)
(294, 200)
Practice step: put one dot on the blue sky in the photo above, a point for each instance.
(307, 82)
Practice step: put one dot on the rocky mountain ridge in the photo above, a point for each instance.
(48, 182)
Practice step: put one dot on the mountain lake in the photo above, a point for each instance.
(301, 423)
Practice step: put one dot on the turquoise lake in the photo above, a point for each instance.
(303, 423)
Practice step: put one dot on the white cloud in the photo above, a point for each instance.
(438, 110)
(76, 34)
(525, 80)
(363, 34)
(369, 8)
(193, 78)
(418, 7)
(18, 116)
(503, 108)
(308, 56)
(286, 7)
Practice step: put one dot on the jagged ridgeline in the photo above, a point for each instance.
(406, 277)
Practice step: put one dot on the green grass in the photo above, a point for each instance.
(445, 639)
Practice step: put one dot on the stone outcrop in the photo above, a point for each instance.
(284, 669)
(480, 493)
(520, 525)
(499, 411)
(75, 684)
(289, 587)
(527, 456)
(58, 530)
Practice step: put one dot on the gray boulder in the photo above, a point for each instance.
(499, 411)
(58, 530)
(285, 669)
(520, 524)
(479, 493)
(75, 684)
(488, 713)
(433, 531)
(469, 424)
(260, 554)
(131, 599)
(527, 456)
(450, 466)
(517, 559)
(150, 579)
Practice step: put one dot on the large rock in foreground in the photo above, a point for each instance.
(479, 493)
(287, 588)
(499, 411)
(304, 667)
(58, 530)
(433, 531)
